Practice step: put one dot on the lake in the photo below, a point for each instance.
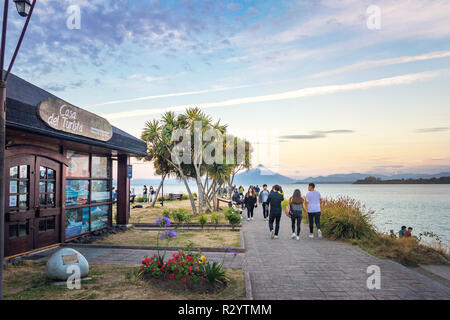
(423, 207)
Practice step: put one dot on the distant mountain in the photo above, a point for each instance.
(261, 175)
(352, 177)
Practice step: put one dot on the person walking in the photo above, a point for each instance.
(152, 194)
(263, 195)
(296, 205)
(313, 202)
(144, 193)
(250, 202)
(274, 201)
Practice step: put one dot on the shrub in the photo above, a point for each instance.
(139, 199)
(345, 218)
(213, 272)
(203, 219)
(185, 197)
(167, 213)
(180, 215)
(215, 218)
(233, 218)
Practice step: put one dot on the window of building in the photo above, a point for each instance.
(88, 193)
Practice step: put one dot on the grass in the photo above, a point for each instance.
(346, 219)
(27, 281)
(148, 214)
(197, 238)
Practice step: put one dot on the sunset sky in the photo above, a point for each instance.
(308, 82)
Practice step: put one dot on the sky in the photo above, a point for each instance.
(319, 87)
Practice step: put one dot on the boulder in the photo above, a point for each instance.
(61, 260)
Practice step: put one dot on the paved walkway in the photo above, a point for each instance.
(322, 269)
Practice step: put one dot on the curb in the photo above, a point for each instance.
(187, 225)
(131, 247)
(248, 286)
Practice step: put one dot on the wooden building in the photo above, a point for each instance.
(58, 171)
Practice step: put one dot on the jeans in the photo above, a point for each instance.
(296, 218)
(275, 217)
(265, 208)
(250, 211)
(313, 217)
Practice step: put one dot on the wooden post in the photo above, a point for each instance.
(123, 190)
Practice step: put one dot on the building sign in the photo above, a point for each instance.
(65, 117)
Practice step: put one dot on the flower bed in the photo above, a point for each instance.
(184, 269)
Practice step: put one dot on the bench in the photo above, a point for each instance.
(175, 196)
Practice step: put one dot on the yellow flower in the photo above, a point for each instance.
(203, 258)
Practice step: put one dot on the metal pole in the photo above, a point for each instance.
(2, 145)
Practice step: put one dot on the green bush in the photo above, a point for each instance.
(344, 218)
(180, 215)
(167, 213)
(185, 197)
(215, 218)
(203, 219)
(233, 218)
(139, 199)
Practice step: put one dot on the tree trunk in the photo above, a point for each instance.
(157, 191)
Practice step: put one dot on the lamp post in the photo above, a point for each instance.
(25, 9)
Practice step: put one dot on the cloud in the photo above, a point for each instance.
(313, 135)
(430, 130)
(384, 62)
(178, 94)
(296, 94)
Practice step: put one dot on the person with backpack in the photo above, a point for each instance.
(250, 202)
(274, 201)
(294, 211)
(263, 195)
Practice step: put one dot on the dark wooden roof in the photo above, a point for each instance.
(22, 99)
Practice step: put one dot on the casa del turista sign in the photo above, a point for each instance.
(63, 116)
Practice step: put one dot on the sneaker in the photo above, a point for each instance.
(251, 218)
(248, 219)
(272, 234)
(298, 238)
(276, 237)
(293, 236)
(311, 235)
(319, 233)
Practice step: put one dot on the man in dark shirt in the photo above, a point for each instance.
(274, 201)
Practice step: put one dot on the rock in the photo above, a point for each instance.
(60, 261)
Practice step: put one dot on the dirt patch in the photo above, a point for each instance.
(197, 238)
(27, 281)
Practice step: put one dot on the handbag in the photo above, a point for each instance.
(288, 210)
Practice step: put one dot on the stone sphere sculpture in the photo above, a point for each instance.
(63, 263)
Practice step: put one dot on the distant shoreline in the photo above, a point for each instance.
(373, 180)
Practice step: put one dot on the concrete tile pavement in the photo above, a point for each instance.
(320, 269)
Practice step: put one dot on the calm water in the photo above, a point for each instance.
(423, 207)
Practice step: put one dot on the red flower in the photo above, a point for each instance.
(184, 279)
(172, 276)
(143, 268)
(159, 262)
(202, 277)
(155, 255)
(190, 268)
(154, 269)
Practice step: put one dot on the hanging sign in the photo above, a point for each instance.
(62, 116)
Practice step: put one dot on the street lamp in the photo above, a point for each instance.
(25, 9)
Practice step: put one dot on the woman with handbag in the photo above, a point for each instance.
(250, 203)
(294, 211)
